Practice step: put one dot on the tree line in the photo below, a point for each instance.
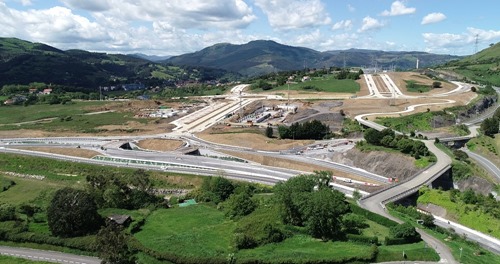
(388, 138)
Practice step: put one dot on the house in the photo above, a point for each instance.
(123, 220)
(18, 99)
(33, 90)
(47, 91)
(306, 78)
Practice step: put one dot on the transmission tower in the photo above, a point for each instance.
(476, 43)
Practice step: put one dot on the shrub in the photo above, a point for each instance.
(373, 216)
(362, 239)
(405, 231)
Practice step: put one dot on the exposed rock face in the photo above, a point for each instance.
(477, 184)
(379, 162)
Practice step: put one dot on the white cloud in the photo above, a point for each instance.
(26, 2)
(446, 41)
(294, 14)
(351, 8)
(370, 23)
(203, 14)
(344, 24)
(308, 39)
(433, 18)
(398, 8)
(90, 5)
(55, 25)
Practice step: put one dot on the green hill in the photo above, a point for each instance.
(254, 58)
(481, 67)
(264, 56)
(23, 62)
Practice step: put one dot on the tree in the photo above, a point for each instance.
(140, 179)
(460, 155)
(240, 204)
(436, 84)
(323, 213)
(428, 220)
(353, 223)
(7, 212)
(112, 245)
(217, 189)
(372, 136)
(291, 196)
(72, 213)
(405, 231)
(269, 132)
(490, 126)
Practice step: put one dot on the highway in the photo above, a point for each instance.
(47, 256)
(246, 171)
(489, 166)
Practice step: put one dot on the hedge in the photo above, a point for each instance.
(82, 243)
(395, 241)
(373, 216)
(362, 239)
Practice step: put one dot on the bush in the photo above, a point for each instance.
(244, 241)
(394, 241)
(362, 239)
(405, 231)
(373, 216)
(7, 212)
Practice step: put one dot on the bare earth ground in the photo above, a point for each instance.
(74, 152)
(400, 77)
(290, 164)
(363, 87)
(351, 107)
(160, 144)
(252, 140)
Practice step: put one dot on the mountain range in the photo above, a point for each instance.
(23, 62)
(265, 56)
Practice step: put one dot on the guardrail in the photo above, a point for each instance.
(415, 188)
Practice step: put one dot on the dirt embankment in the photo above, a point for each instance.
(379, 162)
(477, 184)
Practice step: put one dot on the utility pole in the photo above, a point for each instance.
(241, 108)
(288, 93)
(475, 46)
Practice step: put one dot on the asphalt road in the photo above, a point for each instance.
(47, 256)
(376, 203)
(485, 163)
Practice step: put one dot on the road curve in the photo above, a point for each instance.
(47, 256)
(485, 163)
(376, 202)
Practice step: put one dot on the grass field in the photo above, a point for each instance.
(486, 146)
(16, 114)
(322, 84)
(189, 231)
(301, 247)
(469, 250)
(29, 191)
(376, 229)
(475, 219)
(10, 260)
(416, 87)
(416, 251)
(79, 123)
(203, 231)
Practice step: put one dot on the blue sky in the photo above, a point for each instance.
(172, 27)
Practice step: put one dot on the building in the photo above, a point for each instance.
(123, 220)
(47, 91)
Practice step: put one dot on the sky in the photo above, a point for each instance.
(174, 27)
